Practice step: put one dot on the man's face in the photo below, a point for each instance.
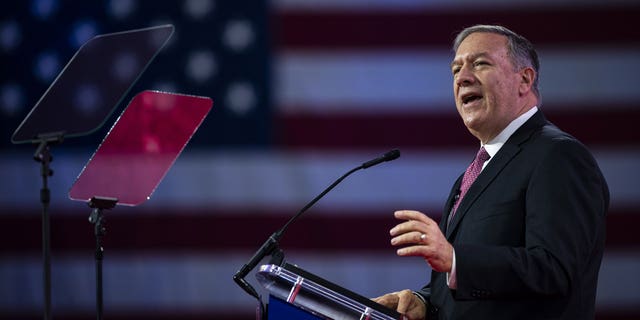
(485, 84)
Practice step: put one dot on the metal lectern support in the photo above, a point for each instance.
(43, 155)
(98, 204)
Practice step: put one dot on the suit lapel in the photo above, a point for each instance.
(511, 148)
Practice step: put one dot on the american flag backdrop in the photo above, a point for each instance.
(303, 91)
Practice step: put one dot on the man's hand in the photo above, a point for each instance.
(420, 236)
(405, 302)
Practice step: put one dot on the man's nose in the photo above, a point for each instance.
(464, 77)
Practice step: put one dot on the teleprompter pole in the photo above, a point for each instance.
(98, 204)
(43, 155)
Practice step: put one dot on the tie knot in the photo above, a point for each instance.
(482, 155)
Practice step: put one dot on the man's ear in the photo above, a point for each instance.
(527, 77)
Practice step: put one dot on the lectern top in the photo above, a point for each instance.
(320, 296)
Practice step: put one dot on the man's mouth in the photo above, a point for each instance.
(469, 98)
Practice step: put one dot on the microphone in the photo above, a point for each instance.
(270, 247)
(391, 155)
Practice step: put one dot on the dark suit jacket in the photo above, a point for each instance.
(529, 234)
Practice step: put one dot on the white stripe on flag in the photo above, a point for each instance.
(204, 282)
(411, 81)
(418, 179)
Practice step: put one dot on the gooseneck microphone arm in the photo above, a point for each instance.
(271, 244)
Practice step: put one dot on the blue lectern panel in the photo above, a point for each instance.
(281, 310)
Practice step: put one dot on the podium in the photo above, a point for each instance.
(299, 294)
(294, 289)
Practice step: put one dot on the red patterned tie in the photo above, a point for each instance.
(470, 176)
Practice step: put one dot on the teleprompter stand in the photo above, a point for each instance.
(61, 112)
(43, 156)
(98, 204)
(133, 158)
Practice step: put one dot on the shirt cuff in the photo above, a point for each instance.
(420, 297)
(451, 276)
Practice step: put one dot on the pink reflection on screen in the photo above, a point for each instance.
(141, 147)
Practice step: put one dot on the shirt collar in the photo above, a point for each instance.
(496, 143)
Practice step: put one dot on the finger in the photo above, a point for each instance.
(438, 260)
(405, 297)
(389, 300)
(408, 226)
(424, 251)
(413, 237)
(413, 215)
(431, 231)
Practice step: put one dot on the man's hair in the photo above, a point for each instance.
(520, 50)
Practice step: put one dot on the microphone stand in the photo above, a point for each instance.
(270, 247)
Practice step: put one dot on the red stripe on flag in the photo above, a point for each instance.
(398, 29)
(210, 231)
(142, 314)
(592, 125)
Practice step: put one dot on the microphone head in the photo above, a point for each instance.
(391, 155)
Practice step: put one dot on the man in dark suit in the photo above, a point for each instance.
(523, 240)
